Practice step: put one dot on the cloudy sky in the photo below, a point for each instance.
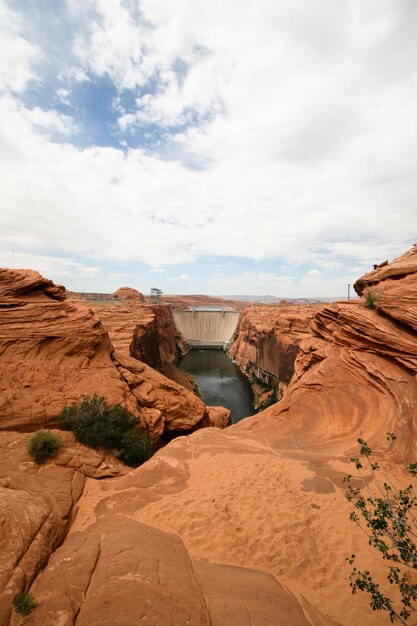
(222, 147)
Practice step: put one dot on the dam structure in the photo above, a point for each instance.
(207, 327)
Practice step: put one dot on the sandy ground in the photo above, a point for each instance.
(235, 500)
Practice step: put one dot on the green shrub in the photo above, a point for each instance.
(134, 449)
(97, 425)
(387, 514)
(43, 445)
(371, 298)
(24, 603)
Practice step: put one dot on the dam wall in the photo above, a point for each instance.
(206, 329)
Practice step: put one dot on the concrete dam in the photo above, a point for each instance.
(207, 328)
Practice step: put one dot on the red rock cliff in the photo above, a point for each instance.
(268, 337)
(53, 350)
(146, 332)
(265, 497)
(355, 372)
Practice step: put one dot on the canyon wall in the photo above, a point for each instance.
(355, 371)
(268, 339)
(146, 332)
(248, 525)
(54, 350)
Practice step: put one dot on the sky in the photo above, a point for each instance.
(257, 147)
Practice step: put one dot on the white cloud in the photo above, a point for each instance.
(302, 145)
(250, 282)
(314, 273)
(110, 42)
(50, 121)
(64, 95)
(17, 55)
(54, 267)
(74, 74)
(181, 277)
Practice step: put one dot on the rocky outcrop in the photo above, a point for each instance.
(268, 339)
(156, 342)
(146, 332)
(250, 525)
(37, 504)
(355, 372)
(53, 350)
(217, 416)
(399, 268)
(395, 288)
(183, 539)
(128, 293)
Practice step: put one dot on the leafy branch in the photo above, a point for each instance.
(388, 520)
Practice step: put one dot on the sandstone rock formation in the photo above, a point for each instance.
(158, 545)
(127, 293)
(268, 338)
(37, 504)
(355, 373)
(250, 525)
(398, 268)
(146, 332)
(53, 350)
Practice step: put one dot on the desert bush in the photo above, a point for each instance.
(388, 516)
(24, 603)
(371, 298)
(97, 425)
(135, 449)
(43, 445)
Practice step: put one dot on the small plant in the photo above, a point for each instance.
(135, 449)
(97, 425)
(24, 603)
(43, 445)
(388, 519)
(371, 298)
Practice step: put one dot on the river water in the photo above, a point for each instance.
(220, 381)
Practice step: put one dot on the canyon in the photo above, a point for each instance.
(245, 525)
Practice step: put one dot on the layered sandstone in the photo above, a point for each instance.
(170, 544)
(355, 373)
(268, 338)
(146, 332)
(37, 505)
(54, 350)
(128, 293)
(250, 525)
(399, 268)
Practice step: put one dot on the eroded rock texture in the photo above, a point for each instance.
(146, 332)
(37, 505)
(53, 350)
(268, 338)
(355, 372)
(127, 293)
(250, 525)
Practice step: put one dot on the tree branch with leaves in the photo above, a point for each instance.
(387, 516)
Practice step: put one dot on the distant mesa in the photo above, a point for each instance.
(128, 293)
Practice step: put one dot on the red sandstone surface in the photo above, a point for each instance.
(54, 350)
(146, 332)
(268, 337)
(128, 293)
(249, 525)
